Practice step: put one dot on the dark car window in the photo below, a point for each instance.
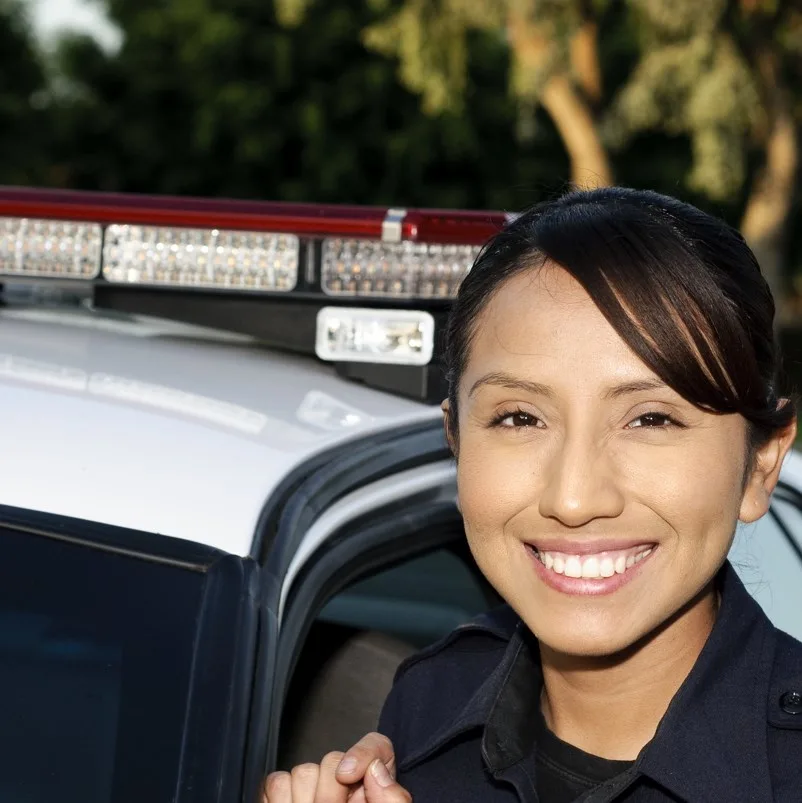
(418, 601)
(96, 657)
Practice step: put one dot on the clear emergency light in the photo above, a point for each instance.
(365, 288)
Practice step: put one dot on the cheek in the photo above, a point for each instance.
(494, 484)
(692, 488)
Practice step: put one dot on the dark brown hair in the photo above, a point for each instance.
(681, 287)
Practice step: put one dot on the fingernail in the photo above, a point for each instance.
(379, 772)
(347, 765)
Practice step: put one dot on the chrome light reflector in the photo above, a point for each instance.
(400, 337)
(49, 248)
(353, 267)
(179, 257)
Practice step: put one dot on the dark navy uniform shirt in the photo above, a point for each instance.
(462, 717)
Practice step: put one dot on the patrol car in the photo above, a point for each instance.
(228, 508)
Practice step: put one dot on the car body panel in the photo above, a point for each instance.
(164, 427)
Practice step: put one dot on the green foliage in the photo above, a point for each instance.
(699, 87)
(301, 99)
(219, 98)
(428, 38)
(24, 118)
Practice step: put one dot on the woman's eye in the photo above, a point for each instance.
(652, 421)
(517, 420)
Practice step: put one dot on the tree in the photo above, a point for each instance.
(207, 97)
(717, 74)
(554, 61)
(24, 122)
(720, 73)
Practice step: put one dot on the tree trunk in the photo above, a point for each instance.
(585, 60)
(568, 107)
(769, 203)
(590, 163)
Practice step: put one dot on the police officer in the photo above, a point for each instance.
(613, 410)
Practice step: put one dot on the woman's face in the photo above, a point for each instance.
(596, 500)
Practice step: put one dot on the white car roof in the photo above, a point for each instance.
(165, 427)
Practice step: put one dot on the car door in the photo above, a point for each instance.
(126, 662)
(338, 518)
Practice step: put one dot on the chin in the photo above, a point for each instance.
(586, 647)
(586, 641)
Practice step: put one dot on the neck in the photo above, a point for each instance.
(611, 706)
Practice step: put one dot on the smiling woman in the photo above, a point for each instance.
(614, 412)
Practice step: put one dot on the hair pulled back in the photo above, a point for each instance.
(679, 286)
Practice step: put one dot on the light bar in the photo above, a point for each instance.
(49, 248)
(181, 257)
(353, 267)
(398, 337)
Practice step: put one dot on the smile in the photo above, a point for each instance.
(604, 564)
(590, 570)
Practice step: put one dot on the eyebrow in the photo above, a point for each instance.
(635, 387)
(500, 379)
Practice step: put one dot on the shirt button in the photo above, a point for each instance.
(791, 702)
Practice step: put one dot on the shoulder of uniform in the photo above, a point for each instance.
(434, 693)
(489, 632)
(785, 697)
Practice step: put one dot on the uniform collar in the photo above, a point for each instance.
(710, 745)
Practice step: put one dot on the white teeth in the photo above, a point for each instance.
(591, 566)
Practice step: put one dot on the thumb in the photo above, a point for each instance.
(380, 787)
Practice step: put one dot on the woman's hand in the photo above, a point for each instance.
(365, 774)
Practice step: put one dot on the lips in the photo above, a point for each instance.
(589, 567)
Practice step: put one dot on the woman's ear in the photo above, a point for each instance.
(451, 435)
(765, 473)
(449, 425)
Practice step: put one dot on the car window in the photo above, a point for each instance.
(766, 555)
(96, 650)
(418, 601)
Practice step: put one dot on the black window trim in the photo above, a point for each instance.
(791, 496)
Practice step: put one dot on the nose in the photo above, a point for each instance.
(580, 486)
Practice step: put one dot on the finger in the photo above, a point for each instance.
(381, 787)
(277, 788)
(329, 789)
(356, 761)
(304, 783)
(357, 794)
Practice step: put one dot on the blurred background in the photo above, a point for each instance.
(488, 104)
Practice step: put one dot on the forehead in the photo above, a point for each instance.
(543, 321)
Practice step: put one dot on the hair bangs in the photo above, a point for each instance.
(636, 273)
